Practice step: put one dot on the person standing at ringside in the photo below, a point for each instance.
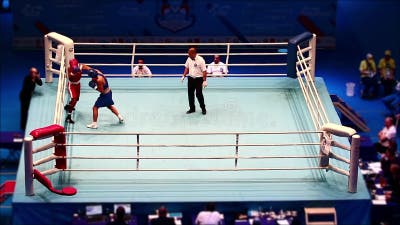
(99, 83)
(195, 66)
(25, 95)
(74, 86)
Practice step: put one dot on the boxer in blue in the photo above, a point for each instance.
(99, 83)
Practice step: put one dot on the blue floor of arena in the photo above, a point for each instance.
(159, 105)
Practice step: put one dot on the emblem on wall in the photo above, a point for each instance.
(175, 15)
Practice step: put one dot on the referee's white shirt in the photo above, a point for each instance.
(196, 67)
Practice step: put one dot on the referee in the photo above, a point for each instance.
(195, 67)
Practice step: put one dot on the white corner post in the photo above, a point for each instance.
(313, 51)
(28, 165)
(354, 157)
(51, 42)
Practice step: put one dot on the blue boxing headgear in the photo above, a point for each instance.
(92, 73)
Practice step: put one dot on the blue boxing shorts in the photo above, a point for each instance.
(104, 100)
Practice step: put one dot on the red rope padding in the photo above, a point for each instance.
(60, 150)
(47, 183)
(46, 132)
(57, 132)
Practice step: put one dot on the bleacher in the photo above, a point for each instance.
(348, 115)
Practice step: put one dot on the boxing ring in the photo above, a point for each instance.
(271, 137)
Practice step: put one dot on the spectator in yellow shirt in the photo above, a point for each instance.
(387, 68)
(369, 79)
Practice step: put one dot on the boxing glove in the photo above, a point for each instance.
(92, 84)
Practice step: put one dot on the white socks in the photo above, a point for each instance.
(93, 125)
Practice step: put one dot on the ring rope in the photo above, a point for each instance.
(191, 145)
(213, 169)
(189, 133)
(182, 65)
(181, 44)
(180, 74)
(44, 147)
(218, 157)
(311, 87)
(342, 146)
(174, 54)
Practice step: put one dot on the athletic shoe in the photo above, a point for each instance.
(92, 126)
(69, 119)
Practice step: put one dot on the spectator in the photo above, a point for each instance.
(217, 68)
(392, 102)
(369, 79)
(120, 217)
(162, 218)
(387, 134)
(141, 70)
(394, 195)
(209, 216)
(389, 158)
(387, 69)
(77, 220)
(25, 95)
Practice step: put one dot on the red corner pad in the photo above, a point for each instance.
(47, 183)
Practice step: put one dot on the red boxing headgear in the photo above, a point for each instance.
(74, 65)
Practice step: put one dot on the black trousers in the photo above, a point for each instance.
(370, 87)
(25, 102)
(388, 86)
(195, 84)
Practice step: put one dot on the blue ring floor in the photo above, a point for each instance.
(269, 104)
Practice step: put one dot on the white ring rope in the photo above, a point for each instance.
(339, 145)
(135, 50)
(191, 145)
(183, 44)
(216, 157)
(174, 54)
(44, 147)
(182, 65)
(190, 133)
(187, 170)
(316, 108)
(46, 159)
(61, 89)
(308, 102)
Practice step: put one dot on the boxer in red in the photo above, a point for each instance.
(74, 86)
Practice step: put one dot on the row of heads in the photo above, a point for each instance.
(74, 67)
(388, 53)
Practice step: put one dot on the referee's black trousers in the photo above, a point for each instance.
(195, 84)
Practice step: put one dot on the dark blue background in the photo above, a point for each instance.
(361, 26)
(174, 18)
